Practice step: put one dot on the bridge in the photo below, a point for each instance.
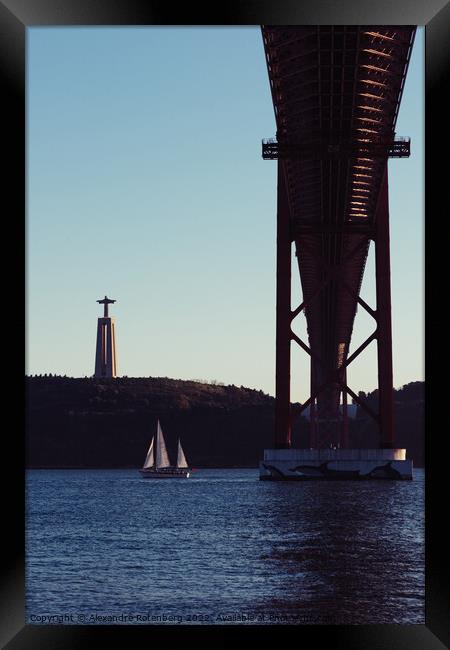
(336, 93)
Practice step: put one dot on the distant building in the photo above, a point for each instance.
(105, 351)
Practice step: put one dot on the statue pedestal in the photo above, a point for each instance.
(105, 355)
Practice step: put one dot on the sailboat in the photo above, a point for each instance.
(157, 463)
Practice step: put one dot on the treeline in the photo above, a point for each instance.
(90, 422)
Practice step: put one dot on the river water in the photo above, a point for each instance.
(108, 547)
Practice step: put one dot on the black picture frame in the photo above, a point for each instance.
(15, 17)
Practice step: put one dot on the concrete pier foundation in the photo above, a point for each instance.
(335, 464)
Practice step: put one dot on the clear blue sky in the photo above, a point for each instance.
(145, 182)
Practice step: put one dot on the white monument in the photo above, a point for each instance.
(105, 353)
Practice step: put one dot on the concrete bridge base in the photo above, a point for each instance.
(335, 464)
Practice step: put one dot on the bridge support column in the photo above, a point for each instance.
(283, 318)
(384, 326)
(313, 411)
(344, 422)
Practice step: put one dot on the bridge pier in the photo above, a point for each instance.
(344, 421)
(283, 317)
(335, 464)
(332, 147)
(384, 326)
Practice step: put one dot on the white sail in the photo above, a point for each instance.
(149, 461)
(162, 458)
(181, 458)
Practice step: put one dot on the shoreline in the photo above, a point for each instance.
(194, 469)
(138, 468)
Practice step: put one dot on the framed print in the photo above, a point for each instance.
(28, 61)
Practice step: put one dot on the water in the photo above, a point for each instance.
(222, 547)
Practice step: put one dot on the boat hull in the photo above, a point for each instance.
(165, 473)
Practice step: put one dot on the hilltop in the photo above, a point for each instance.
(87, 422)
(98, 422)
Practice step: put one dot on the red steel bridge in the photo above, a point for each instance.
(336, 93)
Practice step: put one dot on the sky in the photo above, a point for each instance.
(145, 182)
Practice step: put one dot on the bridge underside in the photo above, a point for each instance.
(336, 92)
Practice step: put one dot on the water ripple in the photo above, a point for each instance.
(223, 544)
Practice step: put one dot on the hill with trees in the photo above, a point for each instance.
(88, 422)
